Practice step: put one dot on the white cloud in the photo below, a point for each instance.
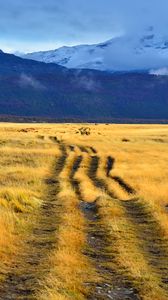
(41, 25)
(29, 81)
(159, 72)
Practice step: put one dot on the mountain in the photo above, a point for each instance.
(122, 54)
(35, 89)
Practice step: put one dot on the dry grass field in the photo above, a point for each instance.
(83, 212)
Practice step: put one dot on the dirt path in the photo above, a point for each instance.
(151, 239)
(148, 230)
(32, 264)
(149, 234)
(113, 285)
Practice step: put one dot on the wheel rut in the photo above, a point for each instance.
(109, 166)
(83, 149)
(99, 183)
(32, 264)
(111, 285)
(152, 241)
(148, 232)
(123, 184)
(93, 150)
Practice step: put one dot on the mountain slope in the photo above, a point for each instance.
(30, 88)
(125, 53)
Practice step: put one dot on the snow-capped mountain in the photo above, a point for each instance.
(47, 91)
(148, 51)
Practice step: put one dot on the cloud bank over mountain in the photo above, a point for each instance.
(40, 25)
(132, 52)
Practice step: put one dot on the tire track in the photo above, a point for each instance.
(71, 148)
(83, 149)
(123, 184)
(32, 264)
(98, 182)
(93, 150)
(109, 166)
(112, 285)
(148, 231)
(152, 239)
(54, 139)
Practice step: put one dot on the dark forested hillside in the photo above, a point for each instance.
(34, 89)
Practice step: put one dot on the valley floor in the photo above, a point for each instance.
(83, 212)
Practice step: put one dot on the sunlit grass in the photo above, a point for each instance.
(26, 158)
(71, 268)
(25, 162)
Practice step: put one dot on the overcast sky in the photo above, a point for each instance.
(48, 24)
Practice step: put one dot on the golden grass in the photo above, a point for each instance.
(25, 162)
(141, 161)
(8, 239)
(88, 191)
(112, 186)
(141, 158)
(71, 268)
(129, 255)
(19, 199)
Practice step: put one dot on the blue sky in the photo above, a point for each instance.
(34, 25)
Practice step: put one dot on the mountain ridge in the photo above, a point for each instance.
(126, 53)
(48, 91)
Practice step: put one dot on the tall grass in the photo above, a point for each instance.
(71, 268)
